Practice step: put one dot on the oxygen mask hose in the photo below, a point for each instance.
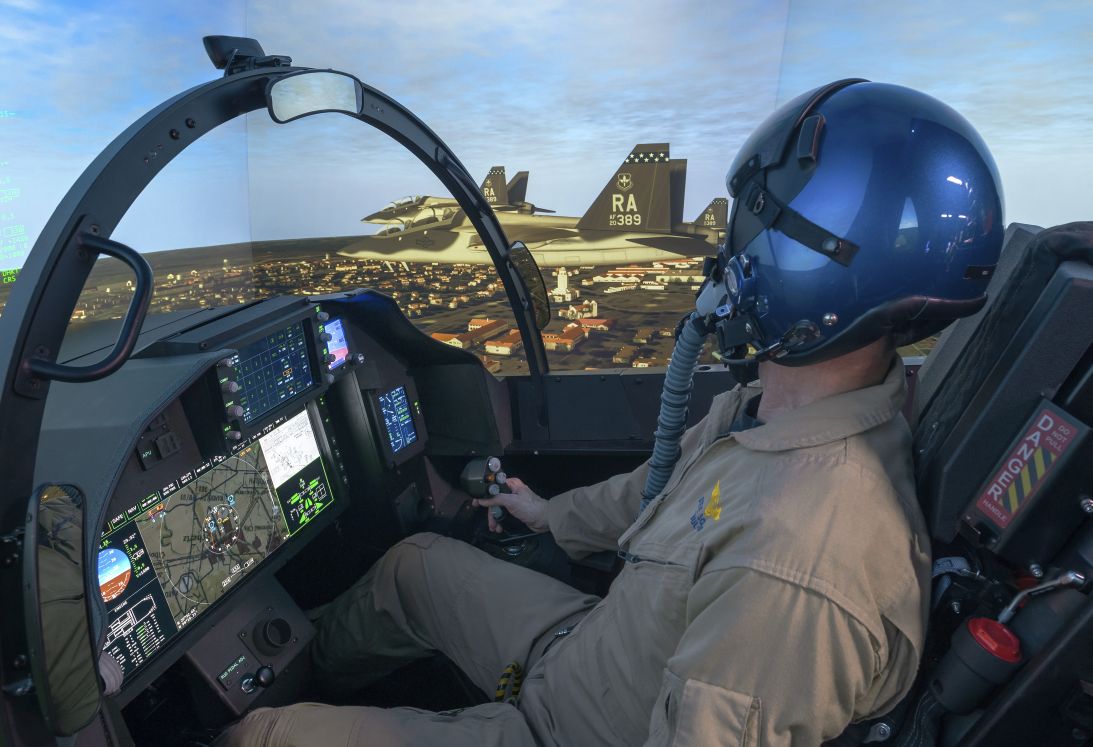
(672, 420)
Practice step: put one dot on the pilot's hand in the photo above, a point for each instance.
(522, 503)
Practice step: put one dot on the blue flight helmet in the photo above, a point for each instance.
(861, 210)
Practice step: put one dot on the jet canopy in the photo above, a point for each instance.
(402, 202)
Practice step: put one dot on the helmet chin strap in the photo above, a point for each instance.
(800, 333)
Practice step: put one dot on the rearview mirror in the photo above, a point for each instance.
(311, 92)
(528, 269)
(62, 655)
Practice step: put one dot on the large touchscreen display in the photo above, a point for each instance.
(170, 555)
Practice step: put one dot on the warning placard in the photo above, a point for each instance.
(1026, 467)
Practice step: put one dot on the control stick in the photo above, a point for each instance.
(483, 478)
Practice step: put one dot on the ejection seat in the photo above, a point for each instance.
(997, 524)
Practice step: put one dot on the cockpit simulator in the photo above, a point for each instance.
(196, 480)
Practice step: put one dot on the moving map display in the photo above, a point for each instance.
(167, 558)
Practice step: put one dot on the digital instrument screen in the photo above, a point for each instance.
(170, 555)
(336, 345)
(398, 419)
(271, 371)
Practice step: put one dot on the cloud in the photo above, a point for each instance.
(23, 5)
(563, 89)
(560, 87)
(1022, 79)
(78, 73)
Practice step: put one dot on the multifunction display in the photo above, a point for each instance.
(336, 346)
(269, 372)
(398, 419)
(170, 555)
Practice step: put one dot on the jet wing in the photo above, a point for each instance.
(688, 246)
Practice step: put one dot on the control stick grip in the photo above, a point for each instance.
(496, 488)
(483, 478)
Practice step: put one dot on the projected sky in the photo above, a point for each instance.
(563, 89)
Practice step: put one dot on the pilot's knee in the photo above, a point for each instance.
(417, 542)
(251, 730)
(302, 723)
(406, 561)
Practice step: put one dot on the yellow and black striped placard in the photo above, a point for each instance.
(1045, 440)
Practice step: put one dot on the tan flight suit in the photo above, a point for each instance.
(774, 592)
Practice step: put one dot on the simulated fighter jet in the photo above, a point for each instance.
(637, 217)
(502, 196)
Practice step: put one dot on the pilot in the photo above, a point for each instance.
(775, 589)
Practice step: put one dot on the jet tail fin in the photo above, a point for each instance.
(494, 188)
(638, 196)
(517, 188)
(716, 214)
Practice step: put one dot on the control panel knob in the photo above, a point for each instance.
(329, 358)
(328, 378)
(234, 411)
(230, 387)
(233, 435)
(265, 676)
(322, 316)
(326, 336)
(358, 358)
(493, 464)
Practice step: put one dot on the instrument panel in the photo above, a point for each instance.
(243, 467)
(232, 440)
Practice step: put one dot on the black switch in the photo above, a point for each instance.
(168, 444)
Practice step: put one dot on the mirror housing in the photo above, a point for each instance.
(313, 92)
(236, 54)
(62, 655)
